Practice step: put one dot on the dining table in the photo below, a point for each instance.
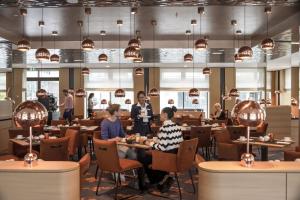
(83, 129)
(265, 145)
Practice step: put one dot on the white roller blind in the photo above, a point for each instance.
(2, 81)
(269, 80)
(182, 78)
(109, 79)
(250, 78)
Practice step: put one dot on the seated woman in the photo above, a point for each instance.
(169, 139)
(219, 114)
(112, 130)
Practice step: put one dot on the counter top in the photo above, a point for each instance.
(43, 166)
(259, 166)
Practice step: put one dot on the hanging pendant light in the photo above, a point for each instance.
(24, 44)
(237, 58)
(80, 93)
(201, 44)
(131, 52)
(153, 92)
(85, 71)
(139, 58)
(103, 101)
(194, 92)
(134, 43)
(234, 93)
(54, 57)
(139, 71)
(42, 54)
(102, 57)
(268, 43)
(127, 101)
(171, 101)
(119, 93)
(245, 52)
(41, 93)
(188, 57)
(88, 44)
(206, 71)
(195, 101)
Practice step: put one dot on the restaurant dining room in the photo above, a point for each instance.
(149, 100)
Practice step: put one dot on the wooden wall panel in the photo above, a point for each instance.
(154, 81)
(229, 84)
(78, 101)
(214, 89)
(63, 84)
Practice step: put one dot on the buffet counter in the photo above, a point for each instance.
(47, 181)
(264, 181)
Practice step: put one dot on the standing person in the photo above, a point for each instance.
(169, 139)
(142, 114)
(219, 114)
(68, 106)
(91, 105)
(112, 130)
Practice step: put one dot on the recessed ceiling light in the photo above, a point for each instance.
(77, 60)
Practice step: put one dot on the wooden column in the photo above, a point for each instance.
(214, 89)
(273, 88)
(154, 81)
(15, 81)
(229, 84)
(78, 101)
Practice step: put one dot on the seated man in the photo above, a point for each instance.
(169, 139)
(112, 130)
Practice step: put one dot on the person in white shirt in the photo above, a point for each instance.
(68, 106)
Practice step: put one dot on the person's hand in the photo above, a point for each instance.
(147, 142)
(143, 140)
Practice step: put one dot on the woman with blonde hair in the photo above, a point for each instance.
(219, 114)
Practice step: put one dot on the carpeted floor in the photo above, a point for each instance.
(88, 191)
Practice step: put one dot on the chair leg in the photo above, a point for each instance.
(99, 181)
(191, 176)
(96, 172)
(176, 177)
(117, 185)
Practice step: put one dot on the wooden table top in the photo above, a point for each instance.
(82, 128)
(134, 145)
(275, 144)
(24, 143)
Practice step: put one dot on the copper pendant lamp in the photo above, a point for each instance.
(102, 57)
(153, 92)
(234, 93)
(139, 58)
(119, 93)
(171, 101)
(41, 93)
(139, 71)
(188, 57)
(127, 101)
(42, 54)
(268, 43)
(88, 44)
(245, 52)
(80, 93)
(54, 57)
(85, 71)
(193, 92)
(195, 101)
(206, 71)
(132, 51)
(23, 44)
(201, 43)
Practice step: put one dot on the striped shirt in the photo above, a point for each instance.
(169, 137)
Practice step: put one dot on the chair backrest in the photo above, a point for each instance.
(17, 131)
(297, 149)
(193, 122)
(262, 128)
(223, 137)
(84, 164)
(203, 135)
(291, 155)
(125, 123)
(87, 122)
(54, 149)
(97, 135)
(37, 130)
(58, 122)
(64, 129)
(186, 154)
(107, 155)
(73, 136)
(237, 131)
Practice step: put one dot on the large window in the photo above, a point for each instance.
(175, 84)
(45, 79)
(103, 83)
(2, 86)
(287, 79)
(250, 82)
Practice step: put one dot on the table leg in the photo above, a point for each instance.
(264, 153)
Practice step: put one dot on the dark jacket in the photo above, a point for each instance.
(139, 126)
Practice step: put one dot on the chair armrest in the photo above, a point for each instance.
(164, 161)
(297, 149)
(291, 155)
(228, 151)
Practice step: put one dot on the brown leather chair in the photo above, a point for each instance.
(14, 148)
(73, 136)
(87, 122)
(204, 139)
(54, 149)
(108, 161)
(58, 122)
(8, 157)
(226, 150)
(292, 155)
(177, 163)
(237, 131)
(84, 164)
(125, 123)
